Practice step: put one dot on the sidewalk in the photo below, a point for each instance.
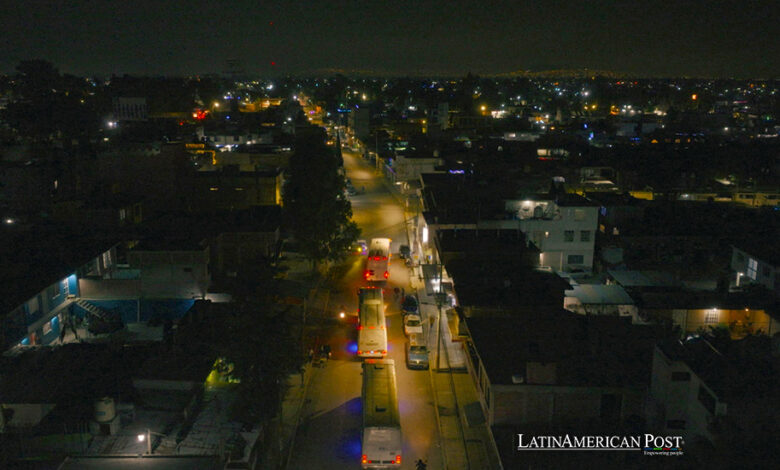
(292, 405)
(466, 440)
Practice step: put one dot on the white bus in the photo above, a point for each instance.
(372, 330)
(378, 260)
(381, 444)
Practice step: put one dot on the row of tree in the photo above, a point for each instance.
(317, 212)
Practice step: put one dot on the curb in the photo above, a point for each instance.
(438, 418)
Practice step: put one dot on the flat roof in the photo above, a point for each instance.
(35, 257)
(600, 294)
(736, 370)
(499, 282)
(586, 351)
(643, 278)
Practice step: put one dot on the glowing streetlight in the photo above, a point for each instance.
(147, 436)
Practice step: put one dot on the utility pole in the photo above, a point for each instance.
(439, 301)
(303, 328)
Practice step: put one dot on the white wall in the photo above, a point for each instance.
(549, 234)
(678, 400)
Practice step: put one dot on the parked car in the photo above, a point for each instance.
(416, 352)
(410, 306)
(413, 325)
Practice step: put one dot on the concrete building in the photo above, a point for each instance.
(722, 394)
(757, 263)
(563, 228)
(130, 109)
(557, 370)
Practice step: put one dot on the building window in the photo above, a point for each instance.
(681, 376)
(579, 214)
(584, 235)
(752, 268)
(568, 235)
(675, 424)
(575, 259)
(711, 317)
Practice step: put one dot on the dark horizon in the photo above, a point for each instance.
(662, 39)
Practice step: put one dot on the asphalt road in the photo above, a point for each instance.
(330, 430)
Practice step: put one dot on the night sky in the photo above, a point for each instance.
(398, 37)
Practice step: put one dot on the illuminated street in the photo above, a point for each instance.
(330, 428)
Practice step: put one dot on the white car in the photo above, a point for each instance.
(413, 325)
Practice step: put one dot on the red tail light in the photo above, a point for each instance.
(364, 459)
(398, 459)
(360, 352)
(370, 327)
(384, 258)
(360, 327)
(387, 274)
(383, 352)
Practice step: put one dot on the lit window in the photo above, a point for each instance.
(579, 214)
(711, 317)
(752, 268)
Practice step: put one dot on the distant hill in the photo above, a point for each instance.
(563, 73)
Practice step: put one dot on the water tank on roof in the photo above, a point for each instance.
(105, 410)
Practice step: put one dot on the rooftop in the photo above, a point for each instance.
(583, 351)
(36, 258)
(600, 294)
(630, 279)
(492, 243)
(165, 232)
(734, 370)
(502, 282)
